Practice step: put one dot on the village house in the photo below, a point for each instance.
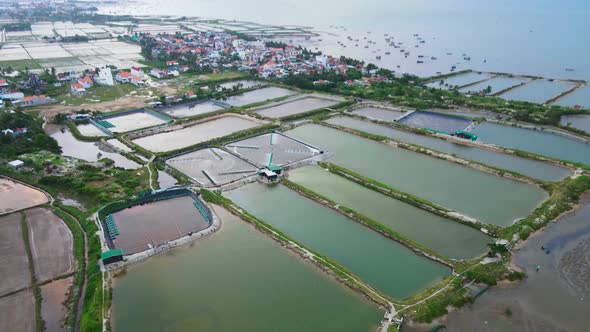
(77, 89)
(16, 164)
(12, 95)
(76, 116)
(14, 133)
(190, 95)
(85, 81)
(124, 77)
(138, 82)
(3, 84)
(137, 72)
(157, 73)
(36, 100)
(104, 77)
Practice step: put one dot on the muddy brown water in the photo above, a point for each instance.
(556, 298)
(53, 310)
(15, 196)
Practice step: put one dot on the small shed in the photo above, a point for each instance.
(16, 164)
(270, 175)
(112, 256)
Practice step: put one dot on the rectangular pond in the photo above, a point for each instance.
(439, 122)
(90, 130)
(257, 96)
(192, 109)
(449, 238)
(15, 196)
(483, 196)
(241, 84)
(536, 141)
(377, 113)
(297, 106)
(579, 97)
(578, 121)
(194, 134)
(130, 121)
(212, 166)
(154, 223)
(537, 91)
(380, 261)
(533, 168)
(236, 280)
(458, 80)
(497, 84)
(273, 148)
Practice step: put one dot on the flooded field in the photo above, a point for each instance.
(580, 97)
(459, 80)
(51, 244)
(242, 84)
(347, 242)
(152, 224)
(578, 121)
(87, 151)
(259, 284)
(165, 180)
(528, 167)
(257, 96)
(547, 300)
(297, 105)
(438, 122)
(497, 84)
(447, 237)
(53, 310)
(536, 141)
(90, 130)
(192, 109)
(14, 262)
(15, 196)
(119, 145)
(474, 193)
(131, 121)
(17, 312)
(377, 113)
(194, 134)
(275, 149)
(212, 167)
(538, 91)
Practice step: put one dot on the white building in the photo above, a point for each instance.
(16, 164)
(137, 72)
(104, 77)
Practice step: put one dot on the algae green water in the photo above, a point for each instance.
(383, 263)
(489, 198)
(533, 168)
(444, 236)
(236, 280)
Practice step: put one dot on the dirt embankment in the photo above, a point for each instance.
(123, 103)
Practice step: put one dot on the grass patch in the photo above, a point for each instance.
(98, 94)
(20, 64)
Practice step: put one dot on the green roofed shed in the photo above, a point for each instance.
(112, 256)
(466, 134)
(275, 168)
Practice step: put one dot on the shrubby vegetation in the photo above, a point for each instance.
(33, 140)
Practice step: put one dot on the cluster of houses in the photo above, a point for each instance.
(18, 98)
(79, 85)
(219, 50)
